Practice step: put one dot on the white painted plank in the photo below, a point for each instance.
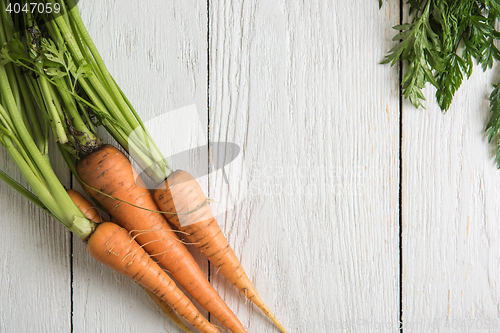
(298, 86)
(451, 212)
(286, 88)
(156, 51)
(35, 288)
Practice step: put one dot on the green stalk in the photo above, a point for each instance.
(86, 52)
(22, 151)
(31, 111)
(70, 216)
(109, 102)
(55, 120)
(160, 169)
(6, 121)
(87, 117)
(6, 35)
(38, 186)
(54, 187)
(35, 92)
(11, 71)
(69, 159)
(108, 80)
(72, 112)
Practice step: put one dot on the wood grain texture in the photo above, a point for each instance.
(298, 86)
(35, 287)
(451, 233)
(310, 202)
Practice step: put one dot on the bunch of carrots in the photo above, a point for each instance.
(52, 78)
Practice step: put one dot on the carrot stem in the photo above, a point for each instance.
(33, 165)
(56, 122)
(149, 156)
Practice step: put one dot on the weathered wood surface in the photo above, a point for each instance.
(311, 202)
(450, 214)
(451, 229)
(298, 87)
(35, 270)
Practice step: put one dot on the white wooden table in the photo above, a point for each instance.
(358, 210)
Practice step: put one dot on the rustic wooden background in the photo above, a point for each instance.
(356, 210)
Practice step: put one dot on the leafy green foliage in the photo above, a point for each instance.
(493, 127)
(440, 44)
(59, 63)
(449, 80)
(54, 60)
(420, 48)
(13, 51)
(54, 63)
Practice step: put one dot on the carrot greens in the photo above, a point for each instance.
(440, 43)
(31, 159)
(75, 89)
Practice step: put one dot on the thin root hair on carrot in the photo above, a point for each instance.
(117, 279)
(145, 244)
(158, 239)
(140, 232)
(207, 202)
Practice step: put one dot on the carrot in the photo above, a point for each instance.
(168, 311)
(85, 206)
(114, 247)
(109, 171)
(69, 43)
(106, 242)
(181, 194)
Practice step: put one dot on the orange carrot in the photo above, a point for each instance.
(109, 171)
(85, 206)
(183, 195)
(168, 311)
(114, 247)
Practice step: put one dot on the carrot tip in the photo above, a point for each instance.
(278, 324)
(271, 316)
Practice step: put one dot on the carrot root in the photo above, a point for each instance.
(168, 311)
(85, 206)
(182, 194)
(109, 171)
(268, 313)
(113, 246)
